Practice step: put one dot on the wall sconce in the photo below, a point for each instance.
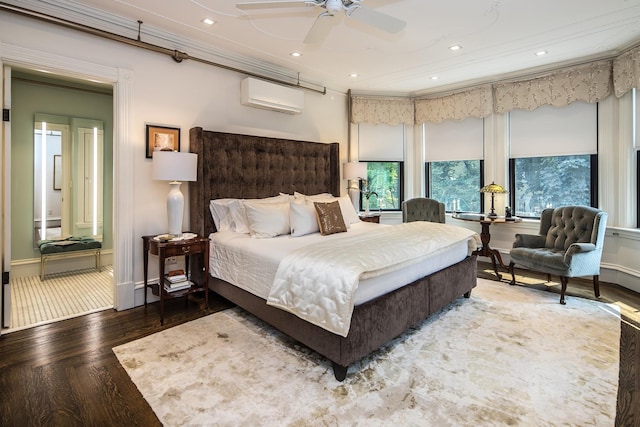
(175, 166)
(493, 188)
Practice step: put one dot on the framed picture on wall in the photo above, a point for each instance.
(162, 138)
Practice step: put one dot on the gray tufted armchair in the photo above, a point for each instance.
(422, 209)
(569, 245)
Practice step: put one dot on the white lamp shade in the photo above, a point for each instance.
(354, 170)
(175, 166)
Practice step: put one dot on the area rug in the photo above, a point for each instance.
(507, 356)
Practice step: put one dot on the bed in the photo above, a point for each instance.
(254, 167)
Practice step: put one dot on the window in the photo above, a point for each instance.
(553, 158)
(454, 170)
(549, 182)
(456, 184)
(385, 179)
(382, 147)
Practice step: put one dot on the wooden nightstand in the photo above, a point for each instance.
(167, 249)
(372, 217)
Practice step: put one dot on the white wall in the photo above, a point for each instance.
(183, 95)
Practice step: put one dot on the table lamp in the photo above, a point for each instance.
(493, 188)
(354, 171)
(175, 166)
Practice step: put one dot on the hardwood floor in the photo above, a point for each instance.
(65, 373)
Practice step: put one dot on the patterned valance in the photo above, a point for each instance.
(590, 83)
(381, 110)
(476, 102)
(626, 72)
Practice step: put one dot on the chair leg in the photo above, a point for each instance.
(596, 286)
(513, 276)
(564, 281)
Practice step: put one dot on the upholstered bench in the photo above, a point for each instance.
(70, 247)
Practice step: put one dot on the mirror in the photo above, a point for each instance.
(67, 177)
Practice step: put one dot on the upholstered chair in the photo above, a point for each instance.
(569, 244)
(422, 209)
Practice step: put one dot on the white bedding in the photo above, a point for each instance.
(251, 264)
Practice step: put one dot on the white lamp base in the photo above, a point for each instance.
(175, 209)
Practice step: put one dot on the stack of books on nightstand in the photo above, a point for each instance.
(176, 280)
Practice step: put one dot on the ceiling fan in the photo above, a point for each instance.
(352, 8)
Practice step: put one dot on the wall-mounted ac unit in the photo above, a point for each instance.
(262, 94)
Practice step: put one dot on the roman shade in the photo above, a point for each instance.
(454, 140)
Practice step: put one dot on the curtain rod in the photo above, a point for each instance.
(175, 54)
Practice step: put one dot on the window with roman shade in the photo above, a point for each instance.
(454, 152)
(382, 147)
(553, 157)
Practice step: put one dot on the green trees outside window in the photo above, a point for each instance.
(385, 180)
(456, 184)
(550, 182)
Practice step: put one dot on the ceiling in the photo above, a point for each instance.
(499, 38)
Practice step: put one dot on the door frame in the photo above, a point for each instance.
(122, 81)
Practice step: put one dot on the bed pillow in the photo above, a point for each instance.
(267, 219)
(221, 212)
(238, 211)
(314, 197)
(303, 219)
(329, 217)
(348, 211)
(349, 214)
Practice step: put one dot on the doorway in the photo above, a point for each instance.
(51, 141)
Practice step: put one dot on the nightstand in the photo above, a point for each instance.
(372, 217)
(166, 249)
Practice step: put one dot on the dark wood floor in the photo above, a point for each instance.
(65, 373)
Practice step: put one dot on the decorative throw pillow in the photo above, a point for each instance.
(330, 219)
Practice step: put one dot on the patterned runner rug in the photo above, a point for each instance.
(507, 356)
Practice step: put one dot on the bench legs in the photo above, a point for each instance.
(66, 255)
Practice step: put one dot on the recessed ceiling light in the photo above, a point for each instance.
(296, 54)
(541, 53)
(208, 21)
(455, 47)
(434, 77)
(354, 75)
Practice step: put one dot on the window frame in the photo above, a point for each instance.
(400, 189)
(427, 179)
(593, 191)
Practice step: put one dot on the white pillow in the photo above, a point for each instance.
(303, 219)
(267, 219)
(240, 217)
(321, 197)
(221, 213)
(349, 213)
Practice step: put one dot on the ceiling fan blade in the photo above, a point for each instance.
(320, 28)
(379, 20)
(274, 4)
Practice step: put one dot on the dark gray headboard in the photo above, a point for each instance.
(244, 166)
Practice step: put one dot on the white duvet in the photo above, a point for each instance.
(317, 282)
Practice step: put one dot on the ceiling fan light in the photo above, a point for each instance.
(333, 6)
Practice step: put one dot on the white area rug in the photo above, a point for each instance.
(506, 356)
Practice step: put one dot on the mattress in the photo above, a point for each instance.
(251, 264)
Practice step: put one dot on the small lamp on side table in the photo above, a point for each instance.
(493, 188)
(175, 166)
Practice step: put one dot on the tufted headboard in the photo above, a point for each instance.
(243, 166)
